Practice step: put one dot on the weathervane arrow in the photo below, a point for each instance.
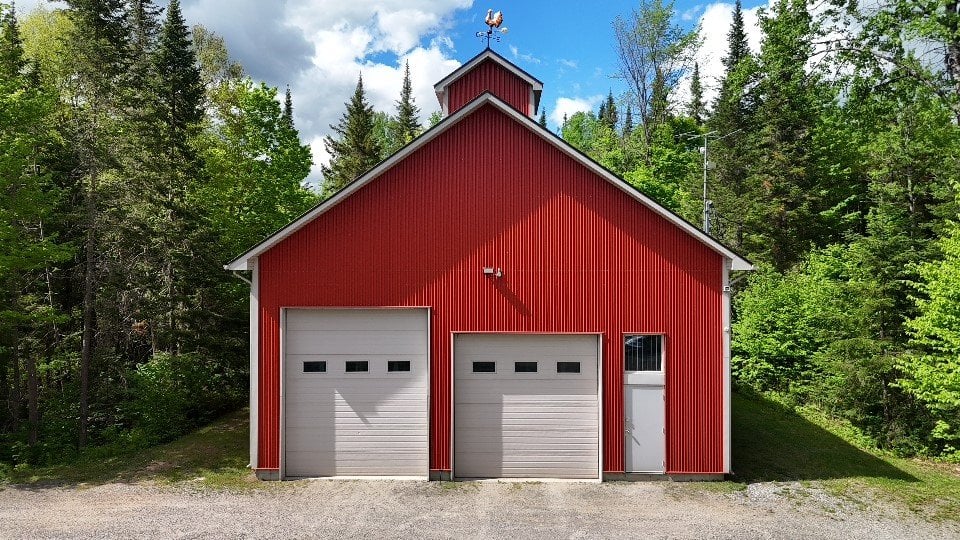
(493, 20)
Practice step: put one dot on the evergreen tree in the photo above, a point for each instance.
(628, 122)
(142, 20)
(696, 109)
(355, 149)
(98, 42)
(733, 114)
(288, 108)
(408, 114)
(737, 46)
(178, 98)
(787, 117)
(608, 112)
(543, 117)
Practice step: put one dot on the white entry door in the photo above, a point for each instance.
(644, 420)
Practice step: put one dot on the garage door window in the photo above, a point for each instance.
(484, 367)
(314, 367)
(398, 365)
(568, 367)
(356, 366)
(643, 353)
(525, 367)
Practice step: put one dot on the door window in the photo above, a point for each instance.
(643, 352)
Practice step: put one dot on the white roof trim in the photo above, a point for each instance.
(241, 262)
(460, 71)
(441, 87)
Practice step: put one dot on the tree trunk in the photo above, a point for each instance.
(33, 408)
(89, 314)
(15, 383)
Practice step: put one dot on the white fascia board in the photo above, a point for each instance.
(240, 263)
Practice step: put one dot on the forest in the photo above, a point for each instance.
(136, 158)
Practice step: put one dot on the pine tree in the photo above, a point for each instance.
(696, 109)
(354, 150)
(734, 111)
(99, 44)
(787, 119)
(608, 112)
(738, 48)
(628, 122)
(179, 95)
(288, 108)
(142, 19)
(543, 117)
(408, 114)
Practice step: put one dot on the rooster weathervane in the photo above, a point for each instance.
(493, 20)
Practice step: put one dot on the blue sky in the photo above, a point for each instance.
(319, 47)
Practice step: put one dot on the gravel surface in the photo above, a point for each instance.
(385, 509)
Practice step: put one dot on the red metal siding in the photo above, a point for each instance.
(578, 255)
(489, 76)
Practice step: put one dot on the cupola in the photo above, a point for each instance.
(489, 72)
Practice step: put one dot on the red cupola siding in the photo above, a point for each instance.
(489, 302)
(489, 72)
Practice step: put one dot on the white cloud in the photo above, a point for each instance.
(691, 13)
(568, 106)
(572, 64)
(517, 55)
(327, 44)
(714, 26)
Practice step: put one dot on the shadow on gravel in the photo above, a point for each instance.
(773, 443)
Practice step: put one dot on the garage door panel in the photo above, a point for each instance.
(526, 425)
(354, 343)
(509, 346)
(354, 320)
(357, 423)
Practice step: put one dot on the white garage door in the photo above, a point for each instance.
(356, 392)
(526, 406)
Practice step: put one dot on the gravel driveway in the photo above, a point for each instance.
(384, 509)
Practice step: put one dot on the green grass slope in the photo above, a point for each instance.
(774, 443)
(213, 456)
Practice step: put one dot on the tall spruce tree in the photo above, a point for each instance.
(628, 122)
(787, 116)
(543, 117)
(354, 149)
(734, 111)
(408, 114)
(179, 94)
(696, 109)
(609, 115)
(98, 41)
(287, 108)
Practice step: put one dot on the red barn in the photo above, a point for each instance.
(489, 303)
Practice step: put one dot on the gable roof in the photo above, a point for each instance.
(241, 262)
(490, 54)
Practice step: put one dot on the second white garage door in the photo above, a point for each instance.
(526, 406)
(356, 392)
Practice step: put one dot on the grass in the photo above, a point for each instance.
(214, 456)
(774, 443)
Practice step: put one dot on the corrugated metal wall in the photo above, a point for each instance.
(578, 255)
(489, 76)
